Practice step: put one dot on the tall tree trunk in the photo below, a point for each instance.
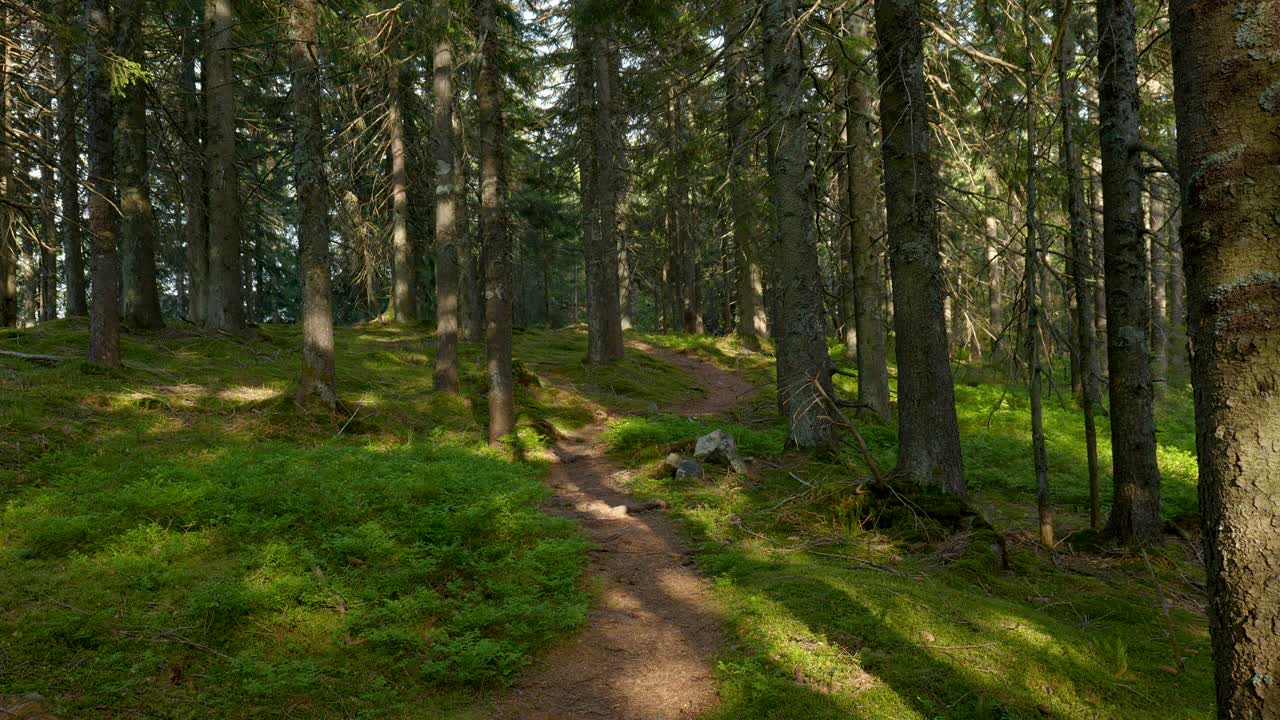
(195, 221)
(104, 323)
(1078, 243)
(608, 183)
(1159, 223)
(446, 198)
(318, 376)
(864, 228)
(599, 212)
(1135, 513)
(804, 368)
(404, 305)
(995, 270)
(928, 432)
(749, 288)
(225, 306)
(1031, 274)
(493, 228)
(69, 174)
(138, 221)
(470, 251)
(1177, 302)
(8, 182)
(48, 270)
(1227, 99)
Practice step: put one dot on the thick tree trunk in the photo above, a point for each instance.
(928, 432)
(104, 323)
(1135, 514)
(138, 222)
(599, 211)
(318, 376)
(69, 175)
(1227, 100)
(1078, 244)
(195, 225)
(404, 305)
(864, 228)
(804, 368)
(225, 306)
(446, 199)
(493, 228)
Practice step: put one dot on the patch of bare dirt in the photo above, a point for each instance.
(647, 652)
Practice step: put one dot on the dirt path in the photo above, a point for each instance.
(648, 649)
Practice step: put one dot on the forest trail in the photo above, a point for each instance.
(647, 652)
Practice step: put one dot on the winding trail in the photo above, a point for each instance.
(647, 651)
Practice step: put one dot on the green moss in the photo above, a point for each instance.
(177, 539)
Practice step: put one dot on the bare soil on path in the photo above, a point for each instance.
(647, 651)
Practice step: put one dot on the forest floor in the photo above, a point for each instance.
(176, 541)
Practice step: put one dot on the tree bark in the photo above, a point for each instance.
(1227, 100)
(749, 286)
(864, 228)
(318, 376)
(1031, 272)
(224, 310)
(493, 228)
(8, 183)
(596, 163)
(138, 221)
(104, 322)
(69, 175)
(1158, 213)
(404, 305)
(928, 432)
(1078, 244)
(803, 368)
(446, 198)
(195, 225)
(1135, 513)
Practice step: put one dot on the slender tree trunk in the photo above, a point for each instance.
(69, 174)
(1078, 242)
(138, 222)
(1135, 514)
(318, 376)
(8, 186)
(195, 228)
(1159, 224)
(404, 305)
(928, 432)
(1227, 100)
(749, 288)
(995, 271)
(225, 306)
(104, 323)
(1177, 302)
(804, 369)
(48, 275)
(446, 198)
(1099, 269)
(493, 228)
(1030, 277)
(864, 228)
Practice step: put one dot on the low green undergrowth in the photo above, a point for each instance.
(177, 540)
(834, 615)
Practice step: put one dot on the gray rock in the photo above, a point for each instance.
(719, 448)
(688, 470)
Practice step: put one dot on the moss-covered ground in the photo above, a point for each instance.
(834, 615)
(178, 540)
